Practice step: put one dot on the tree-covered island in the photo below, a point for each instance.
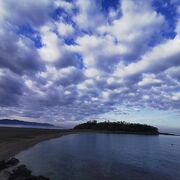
(121, 126)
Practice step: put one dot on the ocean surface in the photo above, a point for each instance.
(98, 156)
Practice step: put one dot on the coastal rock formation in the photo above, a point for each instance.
(6, 164)
(10, 171)
(20, 173)
(12, 162)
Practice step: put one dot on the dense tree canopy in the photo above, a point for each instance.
(118, 126)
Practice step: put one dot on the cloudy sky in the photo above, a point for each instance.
(67, 61)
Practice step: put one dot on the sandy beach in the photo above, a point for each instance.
(14, 140)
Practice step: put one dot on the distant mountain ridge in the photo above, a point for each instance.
(24, 123)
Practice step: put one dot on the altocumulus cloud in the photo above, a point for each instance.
(73, 60)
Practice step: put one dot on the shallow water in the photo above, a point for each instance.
(97, 156)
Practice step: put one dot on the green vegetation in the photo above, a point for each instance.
(118, 126)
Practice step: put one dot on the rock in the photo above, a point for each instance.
(20, 173)
(31, 178)
(3, 165)
(22, 170)
(9, 163)
(25, 178)
(12, 162)
(42, 178)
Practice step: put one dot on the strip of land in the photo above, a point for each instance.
(14, 140)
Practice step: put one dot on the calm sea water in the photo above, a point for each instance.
(97, 156)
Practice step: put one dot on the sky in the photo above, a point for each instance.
(69, 61)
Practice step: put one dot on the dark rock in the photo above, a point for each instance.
(25, 178)
(3, 165)
(21, 173)
(42, 178)
(30, 178)
(22, 170)
(12, 162)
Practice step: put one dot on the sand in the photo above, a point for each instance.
(14, 140)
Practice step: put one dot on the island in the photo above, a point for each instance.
(120, 126)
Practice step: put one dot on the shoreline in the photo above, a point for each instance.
(15, 140)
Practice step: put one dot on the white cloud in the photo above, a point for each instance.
(146, 97)
(89, 16)
(178, 28)
(3, 11)
(31, 12)
(173, 72)
(149, 79)
(176, 96)
(178, 10)
(135, 28)
(63, 4)
(64, 29)
(50, 51)
(158, 59)
(104, 49)
(118, 58)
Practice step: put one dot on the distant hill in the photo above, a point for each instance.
(23, 123)
(123, 127)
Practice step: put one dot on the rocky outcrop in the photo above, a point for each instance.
(22, 173)
(9, 163)
(12, 162)
(11, 171)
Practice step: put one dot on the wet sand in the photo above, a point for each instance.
(14, 140)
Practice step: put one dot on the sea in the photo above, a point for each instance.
(105, 156)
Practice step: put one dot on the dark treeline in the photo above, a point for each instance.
(118, 126)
